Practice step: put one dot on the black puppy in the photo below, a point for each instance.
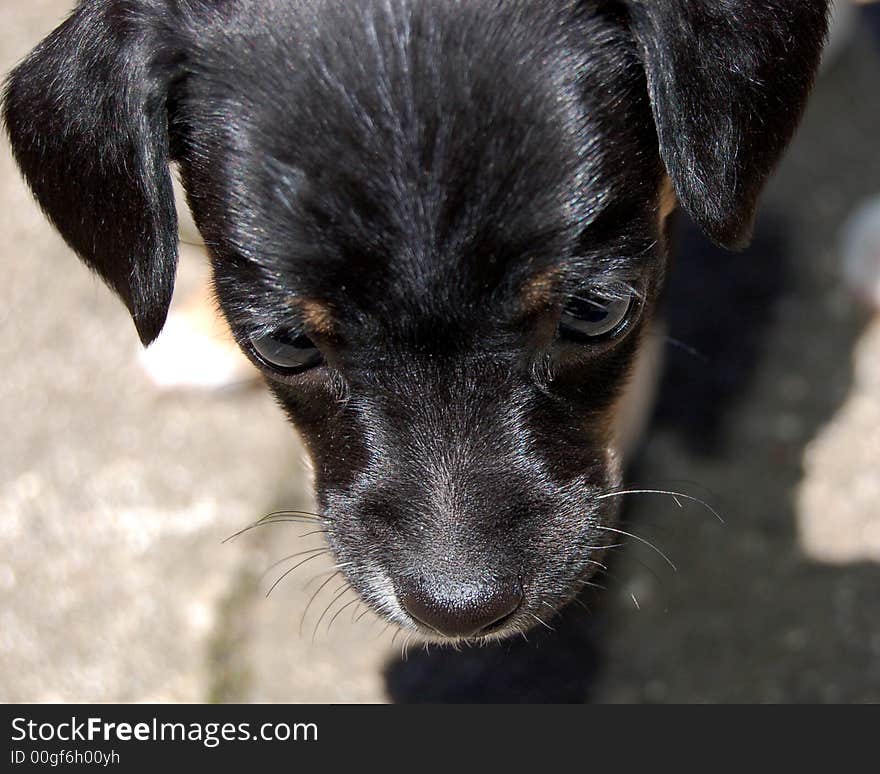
(437, 226)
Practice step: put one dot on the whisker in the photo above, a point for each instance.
(581, 605)
(542, 622)
(313, 532)
(290, 570)
(273, 518)
(262, 524)
(288, 558)
(654, 574)
(641, 540)
(337, 613)
(687, 349)
(321, 574)
(308, 514)
(649, 248)
(345, 588)
(404, 649)
(668, 493)
(553, 610)
(312, 599)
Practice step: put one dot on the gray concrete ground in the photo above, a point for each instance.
(115, 496)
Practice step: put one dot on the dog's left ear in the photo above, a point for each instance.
(728, 80)
(87, 118)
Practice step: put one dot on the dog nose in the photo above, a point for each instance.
(459, 610)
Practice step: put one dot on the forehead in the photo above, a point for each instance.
(423, 157)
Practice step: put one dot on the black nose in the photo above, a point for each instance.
(460, 610)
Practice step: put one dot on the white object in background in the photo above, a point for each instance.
(860, 252)
(187, 355)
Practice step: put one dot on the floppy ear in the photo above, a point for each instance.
(727, 80)
(86, 116)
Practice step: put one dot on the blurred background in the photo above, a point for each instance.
(116, 493)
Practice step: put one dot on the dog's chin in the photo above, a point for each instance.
(429, 636)
(518, 624)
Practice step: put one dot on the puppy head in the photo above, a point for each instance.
(437, 227)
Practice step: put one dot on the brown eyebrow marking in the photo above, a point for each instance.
(667, 201)
(315, 315)
(537, 292)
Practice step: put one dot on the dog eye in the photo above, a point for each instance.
(591, 317)
(287, 351)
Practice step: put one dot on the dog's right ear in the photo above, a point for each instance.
(728, 80)
(87, 118)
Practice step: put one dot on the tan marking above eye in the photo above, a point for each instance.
(537, 292)
(315, 315)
